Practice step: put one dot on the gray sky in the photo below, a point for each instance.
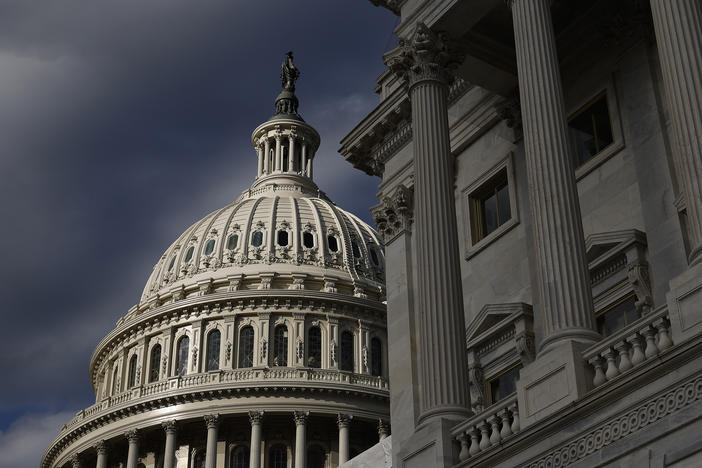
(121, 123)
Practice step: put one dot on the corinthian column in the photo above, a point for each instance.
(678, 26)
(133, 452)
(101, 449)
(212, 421)
(562, 279)
(266, 155)
(442, 353)
(169, 452)
(255, 454)
(344, 421)
(301, 438)
(278, 153)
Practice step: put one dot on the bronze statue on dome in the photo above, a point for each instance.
(289, 73)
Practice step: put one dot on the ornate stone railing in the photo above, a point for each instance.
(640, 341)
(488, 429)
(221, 378)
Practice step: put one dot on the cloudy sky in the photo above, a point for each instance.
(121, 123)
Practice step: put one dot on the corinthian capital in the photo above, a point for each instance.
(393, 215)
(427, 56)
(211, 420)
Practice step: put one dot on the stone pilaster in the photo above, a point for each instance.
(133, 439)
(291, 153)
(344, 421)
(256, 418)
(301, 438)
(423, 62)
(212, 421)
(169, 452)
(677, 25)
(101, 450)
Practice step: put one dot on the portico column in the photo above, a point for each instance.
(301, 438)
(212, 421)
(678, 26)
(169, 452)
(255, 418)
(291, 154)
(442, 356)
(267, 155)
(133, 452)
(343, 420)
(562, 278)
(259, 152)
(101, 449)
(278, 154)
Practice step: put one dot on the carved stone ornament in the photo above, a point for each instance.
(427, 56)
(301, 417)
(383, 428)
(393, 215)
(524, 343)
(300, 349)
(264, 349)
(169, 426)
(344, 420)
(75, 461)
(255, 417)
(511, 112)
(332, 352)
(132, 436)
(100, 447)
(211, 420)
(638, 277)
(478, 398)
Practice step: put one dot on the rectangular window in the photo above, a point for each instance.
(490, 206)
(503, 385)
(591, 129)
(617, 316)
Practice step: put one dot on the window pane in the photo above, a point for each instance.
(209, 247)
(279, 457)
(132, 371)
(376, 357)
(308, 240)
(257, 239)
(333, 245)
(354, 248)
(246, 341)
(189, 254)
(347, 360)
(591, 130)
(280, 346)
(314, 347)
(503, 208)
(182, 356)
(315, 457)
(241, 458)
(171, 263)
(489, 211)
(213, 340)
(504, 385)
(155, 362)
(617, 317)
(282, 238)
(232, 241)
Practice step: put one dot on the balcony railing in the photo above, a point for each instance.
(628, 348)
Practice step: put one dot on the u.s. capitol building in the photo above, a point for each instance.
(259, 339)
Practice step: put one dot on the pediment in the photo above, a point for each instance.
(491, 316)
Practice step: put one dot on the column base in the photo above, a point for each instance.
(557, 378)
(430, 445)
(685, 304)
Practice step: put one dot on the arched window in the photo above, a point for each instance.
(283, 238)
(308, 239)
(280, 346)
(279, 456)
(232, 241)
(315, 457)
(347, 351)
(285, 158)
(257, 239)
(154, 363)
(333, 244)
(246, 345)
(182, 355)
(115, 375)
(354, 248)
(213, 340)
(314, 347)
(131, 381)
(209, 246)
(189, 254)
(240, 458)
(376, 352)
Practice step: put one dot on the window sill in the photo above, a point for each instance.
(474, 249)
(598, 159)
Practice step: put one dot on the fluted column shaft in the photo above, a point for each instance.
(255, 418)
(169, 451)
(343, 421)
(267, 155)
(259, 152)
(678, 26)
(101, 449)
(212, 421)
(439, 290)
(291, 154)
(300, 439)
(133, 451)
(278, 154)
(561, 268)
(304, 158)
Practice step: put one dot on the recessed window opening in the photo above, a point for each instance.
(376, 356)
(591, 129)
(213, 342)
(617, 316)
(490, 207)
(503, 385)
(308, 239)
(115, 376)
(246, 344)
(314, 347)
(189, 254)
(279, 456)
(285, 159)
(333, 244)
(347, 360)
(280, 346)
(232, 241)
(132, 371)
(374, 256)
(182, 356)
(154, 363)
(283, 238)
(257, 239)
(209, 246)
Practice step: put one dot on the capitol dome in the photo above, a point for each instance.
(260, 336)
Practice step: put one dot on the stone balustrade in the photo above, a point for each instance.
(638, 342)
(488, 429)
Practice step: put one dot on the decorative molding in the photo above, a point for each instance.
(169, 426)
(100, 447)
(344, 420)
(255, 417)
(301, 417)
(211, 420)
(132, 436)
(394, 214)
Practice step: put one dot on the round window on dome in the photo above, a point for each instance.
(209, 246)
(257, 239)
(282, 238)
(374, 256)
(308, 239)
(232, 241)
(333, 244)
(189, 254)
(355, 249)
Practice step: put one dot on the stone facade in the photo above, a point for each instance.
(540, 165)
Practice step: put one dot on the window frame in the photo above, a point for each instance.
(599, 312)
(209, 355)
(494, 377)
(239, 354)
(473, 191)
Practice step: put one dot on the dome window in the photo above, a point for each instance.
(182, 356)
(314, 347)
(232, 241)
(246, 345)
(209, 247)
(376, 357)
(347, 360)
(333, 244)
(154, 363)
(374, 256)
(282, 238)
(213, 341)
(131, 381)
(171, 263)
(355, 249)
(257, 239)
(280, 346)
(189, 254)
(308, 239)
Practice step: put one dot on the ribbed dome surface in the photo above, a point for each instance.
(281, 229)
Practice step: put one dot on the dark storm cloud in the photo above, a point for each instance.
(123, 122)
